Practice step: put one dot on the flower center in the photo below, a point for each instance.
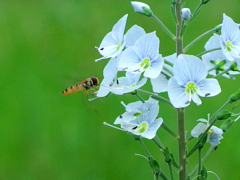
(118, 46)
(191, 88)
(229, 46)
(210, 132)
(142, 127)
(145, 63)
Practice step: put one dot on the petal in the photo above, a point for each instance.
(159, 84)
(209, 88)
(189, 68)
(198, 129)
(152, 129)
(129, 60)
(176, 94)
(118, 29)
(147, 46)
(133, 34)
(156, 67)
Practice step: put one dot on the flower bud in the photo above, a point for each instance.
(186, 13)
(235, 96)
(234, 67)
(142, 8)
(205, 1)
(224, 114)
(173, 1)
(218, 28)
(219, 65)
(227, 124)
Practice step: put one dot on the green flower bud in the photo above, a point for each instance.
(218, 28)
(154, 165)
(227, 124)
(235, 96)
(224, 114)
(205, 1)
(234, 66)
(173, 1)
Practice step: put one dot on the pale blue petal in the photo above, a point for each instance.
(213, 42)
(155, 68)
(209, 87)
(198, 129)
(189, 68)
(152, 129)
(147, 46)
(133, 34)
(127, 117)
(177, 94)
(111, 67)
(129, 60)
(104, 86)
(118, 29)
(159, 84)
(196, 99)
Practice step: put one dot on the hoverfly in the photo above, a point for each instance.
(89, 84)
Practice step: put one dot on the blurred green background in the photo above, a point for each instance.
(47, 46)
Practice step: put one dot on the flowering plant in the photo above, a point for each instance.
(186, 78)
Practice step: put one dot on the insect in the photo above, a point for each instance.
(89, 84)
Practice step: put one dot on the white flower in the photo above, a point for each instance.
(127, 84)
(186, 13)
(113, 43)
(159, 84)
(189, 82)
(216, 59)
(230, 38)
(143, 122)
(214, 133)
(143, 56)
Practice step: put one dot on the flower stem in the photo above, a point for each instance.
(181, 144)
(164, 27)
(155, 96)
(205, 52)
(197, 39)
(199, 162)
(157, 141)
(202, 160)
(139, 97)
(166, 128)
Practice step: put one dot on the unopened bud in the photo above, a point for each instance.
(218, 28)
(142, 8)
(186, 13)
(234, 67)
(227, 124)
(224, 114)
(205, 1)
(173, 1)
(219, 65)
(235, 96)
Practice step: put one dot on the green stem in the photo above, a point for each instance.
(181, 144)
(202, 160)
(170, 170)
(197, 39)
(205, 52)
(145, 148)
(157, 141)
(223, 72)
(166, 128)
(155, 96)
(199, 162)
(164, 27)
(140, 98)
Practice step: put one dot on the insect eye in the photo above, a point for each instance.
(94, 81)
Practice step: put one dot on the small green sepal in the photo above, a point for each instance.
(205, 1)
(154, 165)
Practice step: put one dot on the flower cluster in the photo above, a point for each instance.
(183, 77)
